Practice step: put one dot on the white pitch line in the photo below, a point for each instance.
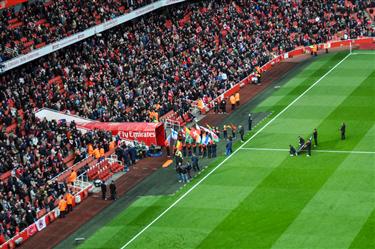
(321, 151)
(364, 53)
(227, 158)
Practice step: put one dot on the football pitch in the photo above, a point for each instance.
(260, 197)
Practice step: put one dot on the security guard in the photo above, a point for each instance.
(237, 97)
(232, 101)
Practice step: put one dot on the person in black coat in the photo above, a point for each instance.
(242, 132)
(315, 136)
(209, 150)
(112, 189)
(308, 147)
(104, 190)
(301, 142)
(343, 130)
(250, 121)
(292, 150)
(223, 105)
(214, 148)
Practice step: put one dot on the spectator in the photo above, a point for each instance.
(41, 22)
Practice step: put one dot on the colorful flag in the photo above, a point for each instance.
(198, 139)
(179, 145)
(206, 140)
(213, 134)
(193, 133)
(167, 141)
(198, 129)
(174, 134)
(188, 139)
(187, 131)
(209, 127)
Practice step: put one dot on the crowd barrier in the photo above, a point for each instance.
(296, 52)
(42, 222)
(53, 47)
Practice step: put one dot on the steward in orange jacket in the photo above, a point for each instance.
(112, 145)
(237, 97)
(62, 207)
(232, 101)
(72, 177)
(90, 149)
(96, 153)
(69, 201)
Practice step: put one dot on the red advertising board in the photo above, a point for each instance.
(149, 133)
(10, 3)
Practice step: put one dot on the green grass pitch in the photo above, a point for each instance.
(261, 197)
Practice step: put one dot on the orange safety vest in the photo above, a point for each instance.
(62, 205)
(90, 149)
(315, 48)
(156, 116)
(112, 145)
(101, 152)
(237, 96)
(96, 153)
(69, 199)
(232, 100)
(73, 176)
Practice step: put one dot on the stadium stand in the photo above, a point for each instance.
(42, 22)
(30, 157)
(164, 62)
(137, 72)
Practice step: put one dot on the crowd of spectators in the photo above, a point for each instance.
(43, 22)
(34, 153)
(160, 62)
(166, 60)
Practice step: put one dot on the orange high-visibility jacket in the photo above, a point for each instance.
(69, 199)
(101, 152)
(96, 153)
(112, 145)
(232, 100)
(237, 96)
(73, 176)
(62, 205)
(90, 149)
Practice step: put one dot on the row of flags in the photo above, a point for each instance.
(196, 134)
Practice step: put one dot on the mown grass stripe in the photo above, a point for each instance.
(365, 239)
(268, 211)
